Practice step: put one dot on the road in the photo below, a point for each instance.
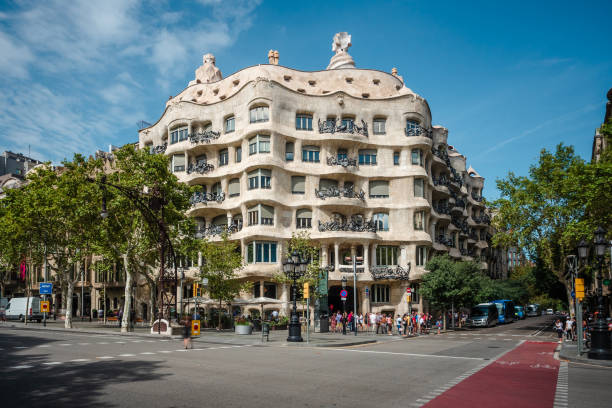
(57, 368)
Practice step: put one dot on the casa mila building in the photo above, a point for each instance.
(349, 155)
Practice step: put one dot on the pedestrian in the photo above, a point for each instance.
(344, 322)
(333, 323)
(568, 329)
(360, 321)
(187, 332)
(338, 321)
(559, 328)
(398, 323)
(439, 324)
(378, 321)
(390, 324)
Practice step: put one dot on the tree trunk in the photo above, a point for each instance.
(444, 318)
(219, 327)
(69, 291)
(570, 301)
(64, 296)
(127, 305)
(152, 291)
(1, 289)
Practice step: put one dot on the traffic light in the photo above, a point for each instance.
(196, 289)
(579, 288)
(306, 290)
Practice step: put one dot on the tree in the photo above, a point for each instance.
(546, 213)
(450, 283)
(220, 263)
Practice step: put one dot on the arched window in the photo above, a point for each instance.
(259, 144)
(412, 128)
(259, 114)
(417, 157)
(382, 221)
(260, 178)
(178, 134)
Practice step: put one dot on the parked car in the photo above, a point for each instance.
(549, 312)
(3, 305)
(533, 310)
(19, 308)
(519, 312)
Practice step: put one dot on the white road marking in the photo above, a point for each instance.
(120, 342)
(65, 344)
(562, 384)
(19, 367)
(105, 357)
(102, 342)
(19, 347)
(53, 363)
(44, 345)
(79, 360)
(126, 355)
(147, 352)
(410, 354)
(165, 351)
(83, 344)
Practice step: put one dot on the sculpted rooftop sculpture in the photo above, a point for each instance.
(208, 72)
(340, 45)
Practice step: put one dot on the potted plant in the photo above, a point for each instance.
(242, 326)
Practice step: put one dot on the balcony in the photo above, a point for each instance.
(445, 240)
(338, 126)
(200, 168)
(158, 149)
(355, 224)
(349, 269)
(217, 230)
(335, 192)
(206, 198)
(418, 131)
(342, 161)
(461, 224)
(205, 136)
(441, 181)
(441, 208)
(390, 272)
(477, 198)
(441, 154)
(483, 219)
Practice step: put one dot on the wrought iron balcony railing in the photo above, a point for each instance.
(476, 197)
(343, 161)
(200, 168)
(441, 181)
(461, 224)
(159, 149)
(213, 230)
(349, 269)
(390, 272)
(483, 219)
(205, 136)
(463, 252)
(441, 208)
(418, 131)
(442, 154)
(335, 192)
(336, 126)
(201, 197)
(353, 225)
(444, 240)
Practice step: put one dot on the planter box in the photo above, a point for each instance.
(243, 329)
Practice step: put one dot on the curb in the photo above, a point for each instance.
(347, 344)
(87, 331)
(565, 355)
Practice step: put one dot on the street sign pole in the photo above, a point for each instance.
(307, 320)
(354, 294)
(579, 325)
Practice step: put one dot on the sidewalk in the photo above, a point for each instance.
(569, 351)
(276, 337)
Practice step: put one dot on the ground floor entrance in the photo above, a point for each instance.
(335, 301)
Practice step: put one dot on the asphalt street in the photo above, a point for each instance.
(56, 368)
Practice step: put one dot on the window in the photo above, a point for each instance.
(386, 255)
(419, 188)
(342, 154)
(238, 154)
(270, 290)
(303, 218)
(379, 188)
(310, 154)
(261, 252)
(216, 188)
(396, 158)
(259, 144)
(219, 220)
(223, 157)
(303, 122)
(419, 220)
(201, 159)
(261, 214)
(367, 156)
(178, 135)
(289, 151)
(417, 157)
(379, 126)
(298, 184)
(348, 124)
(326, 184)
(259, 178)
(415, 294)
(230, 124)
(233, 188)
(178, 162)
(259, 114)
(421, 255)
(380, 294)
(413, 128)
(381, 221)
(149, 147)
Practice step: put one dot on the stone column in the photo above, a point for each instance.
(336, 257)
(366, 307)
(285, 308)
(366, 258)
(374, 246)
(261, 288)
(403, 255)
(324, 255)
(231, 152)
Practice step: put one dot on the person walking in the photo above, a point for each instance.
(187, 332)
(333, 323)
(559, 328)
(568, 329)
(390, 324)
(344, 322)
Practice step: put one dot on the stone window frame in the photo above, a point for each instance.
(377, 129)
(303, 118)
(259, 141)
(389, 253)
(421, 255)
(303, 222)
(230, 120)
(259, 113)
(381, 218)
(306, 153)
(262, 179)
(255, 252)
(223, 157)
(179, 133)
(380, 293)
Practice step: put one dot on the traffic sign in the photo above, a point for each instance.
(579, 288)
(367, 291)
(573, 295)
(408, 290)
(306, 290)
(44, 306)
(45, 288)
(195, 327)
(343, 294)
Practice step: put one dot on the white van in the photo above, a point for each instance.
(18, 308)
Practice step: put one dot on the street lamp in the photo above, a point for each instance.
(344, 319)
(600, 336)
(294, 267)
(583, 250)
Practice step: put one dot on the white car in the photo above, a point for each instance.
(549, 311)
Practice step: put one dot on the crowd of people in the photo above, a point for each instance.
(409, 324)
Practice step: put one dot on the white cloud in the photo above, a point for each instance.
(15, 58)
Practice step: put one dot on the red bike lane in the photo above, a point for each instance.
(524, 377)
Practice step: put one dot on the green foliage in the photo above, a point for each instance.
(308, 249)
(448, 282)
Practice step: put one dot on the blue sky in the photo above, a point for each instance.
(506, 80)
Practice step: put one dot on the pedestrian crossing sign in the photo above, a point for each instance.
(44, 306)
(195, 327)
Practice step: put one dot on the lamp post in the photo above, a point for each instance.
(294, 267)
(344, 319)
(600, 337)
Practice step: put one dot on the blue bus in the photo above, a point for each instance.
(505, 309)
